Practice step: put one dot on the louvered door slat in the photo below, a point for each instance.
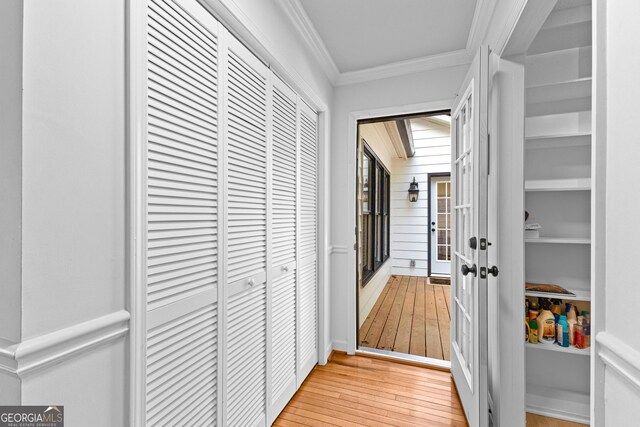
(182, 214)
(282, 335)
(307, 261)
(246, 155)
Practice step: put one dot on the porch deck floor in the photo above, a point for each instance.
(411, 316)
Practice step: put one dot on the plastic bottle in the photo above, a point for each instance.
(546, 324)
(562, 331)
(533, 331)
(586, 331)
(578, 337)
(572, 320)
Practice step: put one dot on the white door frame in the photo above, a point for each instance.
(237, 22)
(349, 216)
(433, 178)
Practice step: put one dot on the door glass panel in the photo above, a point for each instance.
(463, 285)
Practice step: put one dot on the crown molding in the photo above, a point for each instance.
(20, 359)
(480, 24)
(298, 16)
(432, 62)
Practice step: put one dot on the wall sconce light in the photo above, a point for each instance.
(413, 191)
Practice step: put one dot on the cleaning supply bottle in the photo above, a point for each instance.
(546, 324)
(586, 330)
(533, 331)
(578, 338)
(562, 331)
(556, 306)
(572, 318)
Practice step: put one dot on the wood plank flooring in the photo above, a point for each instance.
(541, 421)
(411, 316)
(361, 391)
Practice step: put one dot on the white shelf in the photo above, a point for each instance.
(576, 184)
(579, 295)
(560, 349)
(559, 91)
(554, 125)
(561, 240)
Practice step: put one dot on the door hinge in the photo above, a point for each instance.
(483, 244)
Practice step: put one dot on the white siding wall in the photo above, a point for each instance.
(378, 140)
(410, 221)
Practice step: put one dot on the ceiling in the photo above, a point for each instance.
(361, 34)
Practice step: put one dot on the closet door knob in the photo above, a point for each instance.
(251, 282)
(284, 268)
(465, 269)
(494, 271)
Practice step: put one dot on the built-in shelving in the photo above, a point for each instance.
(575, 184)
(580, 295)
(559, 91)
(561, 240)
(578, 139)
(560, 349)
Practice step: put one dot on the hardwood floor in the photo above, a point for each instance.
(410, 316)
(361, 391)
(540, 421)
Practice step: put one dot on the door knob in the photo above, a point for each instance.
(465, 269)
(433, 229)
(251, 282)
(433, 223)
(284, 268)
(494, 271)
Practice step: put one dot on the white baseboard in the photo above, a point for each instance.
(340, 345)
(562, 404)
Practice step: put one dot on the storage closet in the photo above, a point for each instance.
(558, 198)
(231, 226)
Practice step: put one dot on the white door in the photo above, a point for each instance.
(245, 235)
(469, 260)
(180, 380)
(440, 217)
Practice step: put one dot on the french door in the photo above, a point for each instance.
(441, 225)
(469, 244)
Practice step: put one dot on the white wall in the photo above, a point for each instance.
(10, 166)
(620, 340)
(400, 94)
(410, 221)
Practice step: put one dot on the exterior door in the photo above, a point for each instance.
(469, 244)
(440, 223)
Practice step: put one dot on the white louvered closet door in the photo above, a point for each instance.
(307, 271)
(182, 214)
(282, 310)
(246, 126)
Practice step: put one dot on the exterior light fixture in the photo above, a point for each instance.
(413, 191)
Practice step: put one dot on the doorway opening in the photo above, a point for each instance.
(403, 209)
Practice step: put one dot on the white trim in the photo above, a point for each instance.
(508, 26)
(410, 66)
(336, 249)
(136, 119)
(428, 362)
(300, 20)
(56, 347)
(619, 357)
(339, 345)
(349, 214)
(480, 24)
